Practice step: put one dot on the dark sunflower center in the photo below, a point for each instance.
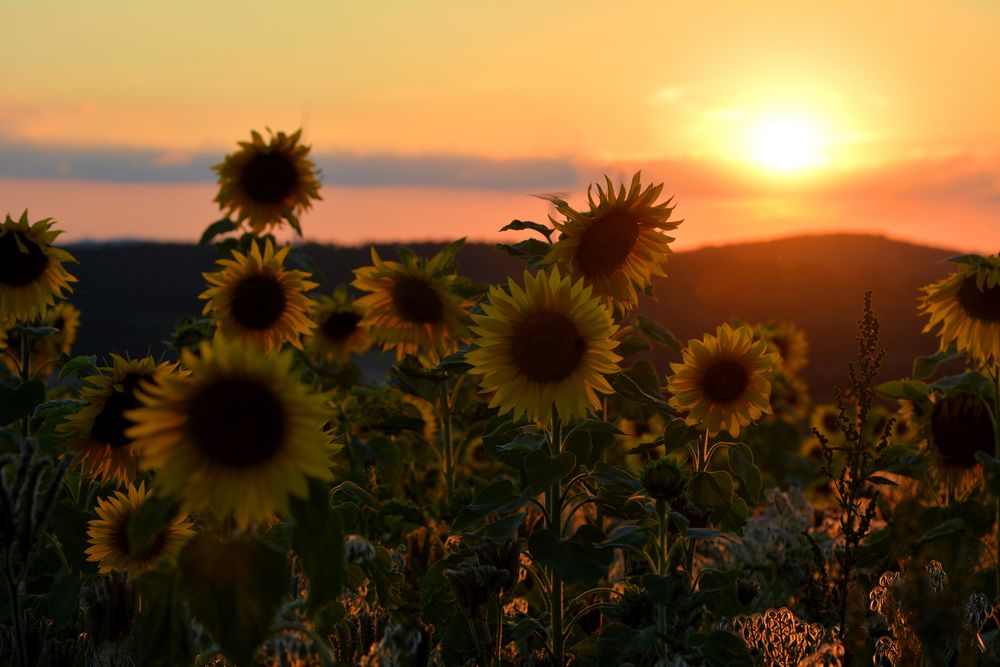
(546, 347)
(19, 268)
(981, 304)
(417, 301)
(59, 323)
(237, 422)
(781, 343)
(119, 538)
(961, 426)
(270, 178)
(606, 244)
(725, 381)
(111, 423)
(340, 325)
(258, 301)
(829, 423)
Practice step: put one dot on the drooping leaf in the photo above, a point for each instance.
(543, 470)
(233, 588)
(497, 497)
(317, 537)
(742, 466)
(711, 489)
(519, 225)
(217, 228)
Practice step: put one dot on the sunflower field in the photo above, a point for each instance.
(524, 487)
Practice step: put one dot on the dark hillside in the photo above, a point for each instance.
(132, 294)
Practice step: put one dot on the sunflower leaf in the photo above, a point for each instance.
(497, 497)
(580, 558)
(163, 630)
(711, 489)
(151, 518)
(532, 251)
(233, 588)
(217, 228)
(300, 259)
(911, 390)
(743, 468)
(79, 366)
(924, 367)
(20, 401)
(544, 470)
(519, 225)
(657, 333)
(318, 538)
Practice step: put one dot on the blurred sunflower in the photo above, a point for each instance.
(789, 341)
(98, 432)
(904, 430)
(45, 350)
(340, 329)
(789, 397)
(641, 430)
(966, 305)
(724, 380)
(255, 299)
(264, 183)
(547, 344)
(960, 426)
(239, 435)
(412, 307)
(617, 246)
(32, 275)
(825, 419)
(108, 534)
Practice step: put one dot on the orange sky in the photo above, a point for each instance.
(433, 119)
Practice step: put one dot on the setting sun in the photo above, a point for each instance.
(785, 144)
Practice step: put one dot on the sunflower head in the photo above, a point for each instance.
(412, 305)
(966, 307)
(826, 419)
(108, 534)
(960, 426)
(238, 436)
(340, 327)
(618, 245)
(788, 341)
(724, 381)
(32, 275)
(254, 298)
(97, 433)
(546, 344)
(265, 183)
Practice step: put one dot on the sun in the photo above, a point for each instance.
(786, 144)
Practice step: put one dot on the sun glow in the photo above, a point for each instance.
(785, 144)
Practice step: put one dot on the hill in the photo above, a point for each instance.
(132, 294)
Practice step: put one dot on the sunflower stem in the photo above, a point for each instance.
(553, 500)
(661, 570)
(449, 453)
(25, 376)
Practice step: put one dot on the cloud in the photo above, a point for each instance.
(161, 166)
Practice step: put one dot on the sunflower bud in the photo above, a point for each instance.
(664, 479)
(746, 591)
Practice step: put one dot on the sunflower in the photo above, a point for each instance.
(340, 328)
(31, 268)
(966, 304)
(789, 341)
(239, 435)
(98, 431)
(253, 298)
(109, 543)
(789, 397)
(724, 381)
(904, 430)
(618, 245)
(65, 319)
(412, 307)
(826, 419)
(547, 344)
(265, 183)
(960, 426)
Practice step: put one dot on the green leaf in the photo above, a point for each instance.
(925, 367)
(163, 631)
(973, 381)
(300, 259)
(317, 536)
(742, 466)
(354, 492)
(640, 384)
(532, 251)
(632, 345)
(911, 390)
(722, 649)
(21, 401)
(903, 460)
(79, 366)
(47, 419)
(577, 559)
(497, 497)
(151, 518)
(711, 489)
(217, 228)
(630, 536)
(543, 470)
(883, 481)
(657, 332)
(944, 529)
(612, 477)
(718, 590)
(233, 588)
(504, 528)
(519, 225)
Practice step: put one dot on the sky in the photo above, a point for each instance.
(434, 119)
